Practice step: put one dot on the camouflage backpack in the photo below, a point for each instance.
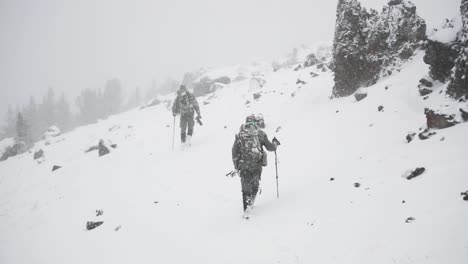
(185, 103)
(251, 152)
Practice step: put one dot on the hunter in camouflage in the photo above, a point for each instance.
(186, 105)
(247, 155)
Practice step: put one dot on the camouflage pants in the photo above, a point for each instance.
(186, 126)
(250, 181)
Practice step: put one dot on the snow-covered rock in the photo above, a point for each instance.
(369, 45)
(51, 132)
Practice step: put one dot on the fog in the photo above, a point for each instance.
(74, 45)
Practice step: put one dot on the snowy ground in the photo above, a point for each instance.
(179, 207)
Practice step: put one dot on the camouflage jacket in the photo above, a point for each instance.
(236, 151)
(185, 104)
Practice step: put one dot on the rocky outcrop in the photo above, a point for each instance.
(369, 45)
(205, 85)
(441, 58)
(438, 120)
(424, 87)
(311, 60)
(458, 85)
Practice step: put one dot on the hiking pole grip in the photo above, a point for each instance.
(276, 166)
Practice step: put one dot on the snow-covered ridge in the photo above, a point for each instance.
(343, 195)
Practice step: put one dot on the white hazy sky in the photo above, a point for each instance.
(71, 45)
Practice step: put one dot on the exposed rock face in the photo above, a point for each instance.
(441, 58)
(368, 45)
(458, 86)
(437, 120)
(207, 85)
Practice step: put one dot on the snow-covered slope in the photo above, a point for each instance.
(172, 206)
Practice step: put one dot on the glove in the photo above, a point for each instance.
(199, 120)
(276, 141)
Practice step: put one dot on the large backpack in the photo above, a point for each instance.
(251, 152)
(185, 103)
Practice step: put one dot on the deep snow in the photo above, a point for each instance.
(179, 207)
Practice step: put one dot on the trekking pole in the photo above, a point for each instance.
(276, 165)
(173, 134)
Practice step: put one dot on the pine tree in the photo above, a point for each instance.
(31, 116)
(47, 111)
(10, 126)
(22, 130)
(64, 116)
(135, 99)
(88, 103)
(112, 97)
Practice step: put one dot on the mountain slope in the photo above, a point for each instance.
(178, 206)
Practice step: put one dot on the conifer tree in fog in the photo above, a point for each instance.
(22, 130)
(64, 115)
(112, 97)
(8, 130)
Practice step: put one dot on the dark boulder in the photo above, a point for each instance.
(410, 220)
(423, 91)
(464, 195)
(415, 173)
(38, 154)
(56, 167)
(438, 121)
(380, 108)
(359, 95)
(357, 184)
(256, 96)
(426, 134)
(313, 74)
(410, 137)
(90, 225)
(102, 148)
(426, 83)
(299, 81)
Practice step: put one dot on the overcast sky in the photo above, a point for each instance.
(72, 45)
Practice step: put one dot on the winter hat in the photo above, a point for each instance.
(250, 119)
